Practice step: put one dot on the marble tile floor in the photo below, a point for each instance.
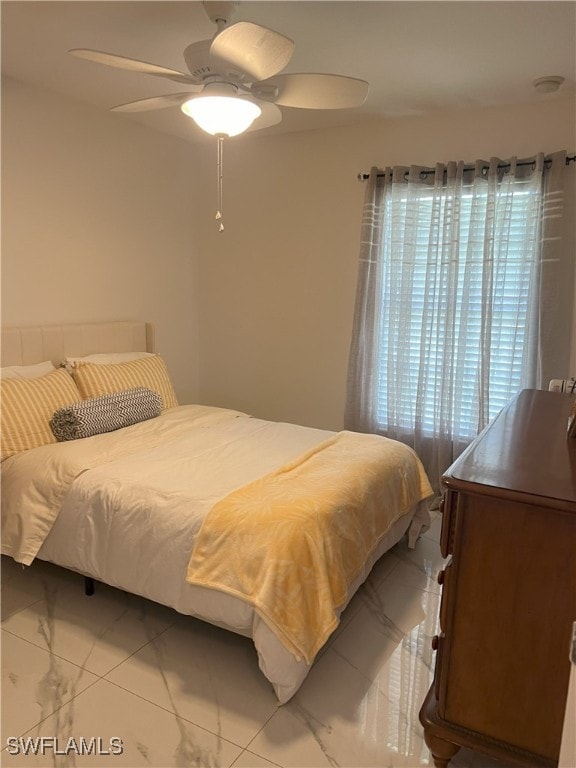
(179, 692)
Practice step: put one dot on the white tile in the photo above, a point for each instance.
(193, 694)
(435, 527)
(96, 632)
(359, 706)
(389, 643)
(339, 718)
(383, 567)
(35, 684)
(409, 573)
(426, 556)
(203, 674)
(146, 734)
(249, 760)
(22, 586)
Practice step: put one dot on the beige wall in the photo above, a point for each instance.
(103, 219)
(97, 223)
(278, 284)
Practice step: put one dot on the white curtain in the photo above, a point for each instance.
(459, 301)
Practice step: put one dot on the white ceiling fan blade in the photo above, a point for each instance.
(271, 115)
(155, 102)
(312, 91)
(257, 51)
(123, 62)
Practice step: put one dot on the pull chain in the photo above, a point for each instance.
(219, 181)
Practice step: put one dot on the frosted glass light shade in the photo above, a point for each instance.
(221, 114)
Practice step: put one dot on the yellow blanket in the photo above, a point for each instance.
(292, 542)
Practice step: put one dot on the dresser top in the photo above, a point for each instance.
(524, 450)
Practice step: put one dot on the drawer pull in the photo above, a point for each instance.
(435, 643)
(440, 577)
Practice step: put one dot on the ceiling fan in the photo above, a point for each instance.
(237, 71)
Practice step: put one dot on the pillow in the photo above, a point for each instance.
(94, 380)
(105, 358)
(27, 407)
(105, 414)
(27, 371)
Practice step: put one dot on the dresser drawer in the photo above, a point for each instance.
(438, 646)
(448, 510)
(444, 578)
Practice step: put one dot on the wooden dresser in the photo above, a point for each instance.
(508, 590)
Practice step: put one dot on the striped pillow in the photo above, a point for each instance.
(28, 406)
(106, 413)
(94, 380)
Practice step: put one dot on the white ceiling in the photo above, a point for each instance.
(419, 56)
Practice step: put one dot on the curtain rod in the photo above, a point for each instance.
(363, 176)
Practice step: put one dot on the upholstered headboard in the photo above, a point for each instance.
(25, 345)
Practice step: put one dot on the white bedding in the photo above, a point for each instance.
(131, 523)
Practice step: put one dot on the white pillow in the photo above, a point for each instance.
(106, 358)
(27, 371)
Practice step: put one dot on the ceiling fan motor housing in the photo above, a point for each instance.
(197, 58)
(204, 67)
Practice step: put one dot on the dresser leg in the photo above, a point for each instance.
(442, 751)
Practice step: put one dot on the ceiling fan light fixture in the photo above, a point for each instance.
(217, 115)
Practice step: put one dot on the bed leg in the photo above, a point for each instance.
(88, 586)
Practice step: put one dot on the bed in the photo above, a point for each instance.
(262, 528)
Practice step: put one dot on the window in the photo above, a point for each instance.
(465, 291)
(477, 309)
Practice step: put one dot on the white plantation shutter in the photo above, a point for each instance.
(448, 311)
(401, 351)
